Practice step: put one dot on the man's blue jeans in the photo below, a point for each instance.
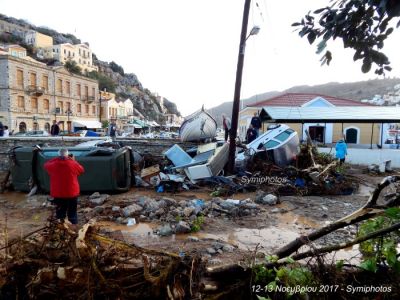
(67, 206)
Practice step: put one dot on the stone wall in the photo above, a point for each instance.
(145, 146)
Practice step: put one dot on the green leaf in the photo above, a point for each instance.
(311, 37)
(369, 265)
(392, 212)
(290, 260)
(366, 67)
(339, 264)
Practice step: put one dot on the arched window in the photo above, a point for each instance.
(22, 127)
(352, 135)
(35, 126)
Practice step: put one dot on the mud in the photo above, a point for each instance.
(271, 228)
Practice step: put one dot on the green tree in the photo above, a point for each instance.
(363, 25)
(73, 67)
(105, 82)
(116, 68)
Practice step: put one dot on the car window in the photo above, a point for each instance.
(271, 144)
(284, 135)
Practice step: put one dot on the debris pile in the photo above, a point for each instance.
(58, 262)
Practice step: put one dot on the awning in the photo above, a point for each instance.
(87, 123)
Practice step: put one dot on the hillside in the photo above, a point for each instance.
(110, 76)
(353, 90)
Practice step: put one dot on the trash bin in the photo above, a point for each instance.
(106, 170)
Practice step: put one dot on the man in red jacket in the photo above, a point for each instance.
(64, 185)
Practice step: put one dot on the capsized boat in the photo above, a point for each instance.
(108, 167)
(279, 140)
(198, 126)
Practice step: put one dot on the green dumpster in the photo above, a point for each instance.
(106, 170)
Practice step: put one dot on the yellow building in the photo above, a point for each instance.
(80, 53)
(326, 118)
(38, 40)
(118, 111)
(32, 95)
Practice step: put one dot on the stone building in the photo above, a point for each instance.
(80, 53)
(32, 95)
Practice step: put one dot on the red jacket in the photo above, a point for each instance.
(63, 177)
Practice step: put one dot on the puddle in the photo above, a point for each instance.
(365, 190)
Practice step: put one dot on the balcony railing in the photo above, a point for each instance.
(88, 98)
(35, 90)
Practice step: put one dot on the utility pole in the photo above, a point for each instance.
(238, 85)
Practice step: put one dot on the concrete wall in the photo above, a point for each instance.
(145, 146)
(369, 156)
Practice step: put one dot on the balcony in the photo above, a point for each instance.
(122, 117)
(88, 98)
(35, 90)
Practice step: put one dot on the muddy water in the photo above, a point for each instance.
(20, 214)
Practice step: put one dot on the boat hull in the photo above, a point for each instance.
(197, 127)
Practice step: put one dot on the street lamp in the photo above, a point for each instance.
(69, 112)
(238, 85)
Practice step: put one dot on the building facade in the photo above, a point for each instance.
(38, 40)
(321, 132)
(80, 53)
(118, 111)
(32, 95)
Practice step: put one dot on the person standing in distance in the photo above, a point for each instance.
(64, 186)
(226, 123)
(55, 129)
(256, 123)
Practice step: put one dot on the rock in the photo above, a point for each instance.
(217, 245)
(98, 209)
(87, 210)
(220, 251)
(165, 230)
(120, 220)
(187, 211)
(162, 204)
(169, 201)
(131, 210)
(193, 238)
(215, 261)
(182, 227)
(182, 203)
(192, 218)
(150, 205)
(228, 248)
(251, 206)
(94, 195)
(98, 200)
(227, 205)
(275, 210)
(115, 208)
(160, 212)
(142, 218)
(268, 199)
(211, 251)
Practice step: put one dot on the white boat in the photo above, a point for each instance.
(198, 126)
(280, 140)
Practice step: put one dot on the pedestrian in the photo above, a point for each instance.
(6, 132)
(256, 123)
(1, 129)
(55, 129)
(251, 134)
(64, 186)
(341, 151)
(226, 123)
(112, 130)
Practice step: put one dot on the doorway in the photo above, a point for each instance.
(351, 136)
(317, 133)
